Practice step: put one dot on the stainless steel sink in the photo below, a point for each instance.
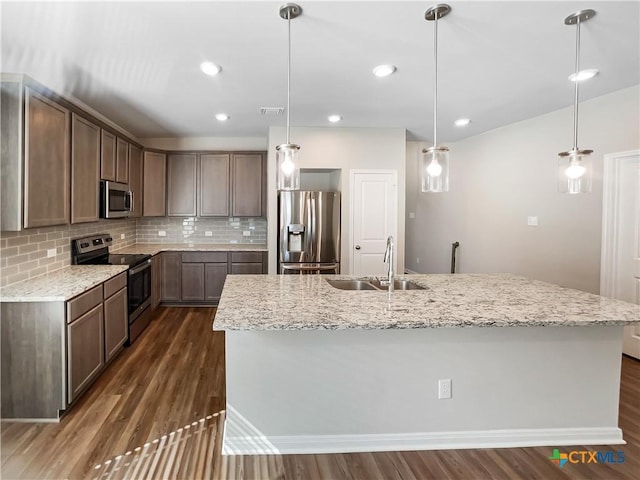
(351, 285)
(397, 285)
(376, 285)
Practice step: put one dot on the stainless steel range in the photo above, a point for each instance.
(94, 250)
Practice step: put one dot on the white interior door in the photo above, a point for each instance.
(374, 217)
(621, 237)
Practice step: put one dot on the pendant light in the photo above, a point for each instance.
(574, 166)
(435, 160)
(287, 153)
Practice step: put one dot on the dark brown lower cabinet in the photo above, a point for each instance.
(198, 277)
(85, 350)
(214, 276)
(171, 273)
(192, 282)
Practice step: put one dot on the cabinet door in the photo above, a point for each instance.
(214, 276)
(192, 281)
(156, 280)
(171, 272)
(85, 352)
(246, 268)
(135, 180)
(46, 153)
(153, 184)
(181, 185)
(213, 186)
(122, 161)
(116, 322)
(246, 185)
(108, 157)
(85, 170)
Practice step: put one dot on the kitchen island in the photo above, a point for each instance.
(314, 369)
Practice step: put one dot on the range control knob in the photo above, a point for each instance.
(84, 245)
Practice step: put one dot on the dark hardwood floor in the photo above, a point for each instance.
(157, 412)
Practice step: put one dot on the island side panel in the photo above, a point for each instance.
(365, 390)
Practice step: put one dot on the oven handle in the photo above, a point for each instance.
(147, 264)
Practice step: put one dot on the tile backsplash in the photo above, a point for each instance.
(24, 254)
(201, 230)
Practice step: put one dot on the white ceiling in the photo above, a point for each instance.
(138, 62)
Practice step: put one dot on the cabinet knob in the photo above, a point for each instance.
(357, 247)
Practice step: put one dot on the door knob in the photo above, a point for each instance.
(357, 247)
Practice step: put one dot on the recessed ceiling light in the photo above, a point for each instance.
(334, 118)
(384, 70)
(462, 122)
(223, 117)
(583, 75)
(210, 68)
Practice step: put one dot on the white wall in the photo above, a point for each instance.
(499, 178)
(346, 149)
(206, 143)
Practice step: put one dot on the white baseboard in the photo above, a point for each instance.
(303, 444)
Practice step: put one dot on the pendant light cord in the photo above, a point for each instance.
(288, 73)
(575, 106)
(435, 81)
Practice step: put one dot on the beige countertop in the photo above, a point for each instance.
(154, 248)
(61, 285)
(308, 302)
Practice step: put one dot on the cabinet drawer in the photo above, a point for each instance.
(246, 257)
(204, 257)
(114, 284)
(83, 303)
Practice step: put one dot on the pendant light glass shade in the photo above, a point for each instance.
(435, 169)
(288, 171)
(574, 166)
(434, 166)
(287, 154)
(575, 171)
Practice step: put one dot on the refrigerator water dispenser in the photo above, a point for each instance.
(295, 237)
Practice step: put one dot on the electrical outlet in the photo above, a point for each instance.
(532, 221)
(246, 233)
(233, 241)
(412, 215)
(417, 259)
(122, 235)
(51, 252)
(162, 233)
(208, 234)
(444, 388)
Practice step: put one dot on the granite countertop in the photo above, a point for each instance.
(61, 285)
(154, 248)
(308, 302)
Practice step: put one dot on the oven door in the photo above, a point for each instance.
(139, 289)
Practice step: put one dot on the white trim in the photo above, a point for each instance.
(352, 183)
(533, 437)
(610, 221)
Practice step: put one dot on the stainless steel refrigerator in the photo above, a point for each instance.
(308, 232)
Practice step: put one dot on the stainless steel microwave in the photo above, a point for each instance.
(116, 200)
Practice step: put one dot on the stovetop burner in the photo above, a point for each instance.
(94, 250)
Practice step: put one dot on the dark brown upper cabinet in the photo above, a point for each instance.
(182, 170)
(213, 185)
(154, 184)
(135, 179)
(122, 161)
(247, 185)
(108, 156)
(85, 170)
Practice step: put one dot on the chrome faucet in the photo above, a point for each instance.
(388, 257)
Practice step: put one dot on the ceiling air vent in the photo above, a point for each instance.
(272, 110)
